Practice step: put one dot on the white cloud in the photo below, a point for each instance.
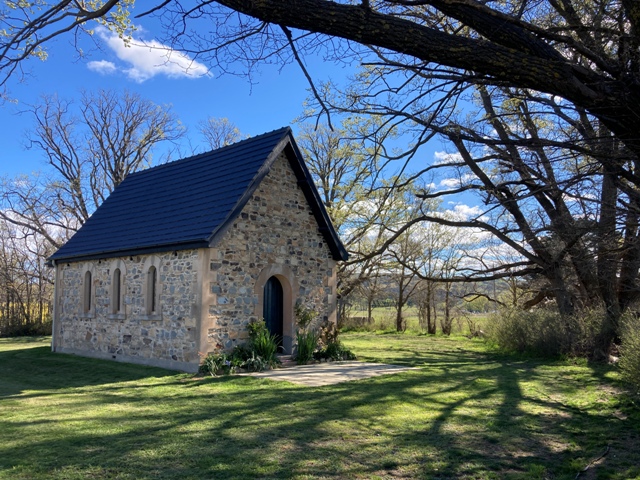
(465, 211)
(457, 181)
(147, 59)
(450, 182)
(445, 158)
(103, 67)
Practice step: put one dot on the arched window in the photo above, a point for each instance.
(152, 291)
(116, 291)
(86, 294)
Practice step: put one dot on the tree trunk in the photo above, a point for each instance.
(446, 324)
(431, 322)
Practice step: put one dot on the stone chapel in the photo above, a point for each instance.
(182, 256)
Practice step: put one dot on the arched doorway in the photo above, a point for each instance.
(273, 307)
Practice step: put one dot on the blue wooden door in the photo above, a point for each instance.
(273, 307)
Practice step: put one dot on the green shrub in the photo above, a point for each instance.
(255, 363)
(217, 364)
(630, 351)
(263, 343)
(307, 344)
(544, 331)
(335, 350)
(242, 358)
(258, 355)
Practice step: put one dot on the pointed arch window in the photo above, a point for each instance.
(87, 297)
(152, 290)
(116, 292)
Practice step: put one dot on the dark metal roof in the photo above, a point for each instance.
(189, 203)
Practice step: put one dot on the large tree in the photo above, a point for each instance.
(422, 56)
(89, 148)
(585, 52)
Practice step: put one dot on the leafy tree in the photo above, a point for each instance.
(344, 163)
(219, 132)
(88, 151)
(578, 61)
(584, 52)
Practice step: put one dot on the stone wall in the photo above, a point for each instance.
(275, 234)
(168, 337)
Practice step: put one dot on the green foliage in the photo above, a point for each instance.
(545, 332)
(307, 344)
(258, 355)
(242, 358)
(304, 315)
(216, 364)
(630, 351)
(255, 363)
(18, 329)
(335, 350)
(224, 363)
(263, 343)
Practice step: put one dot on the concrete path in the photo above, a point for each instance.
(319, 374)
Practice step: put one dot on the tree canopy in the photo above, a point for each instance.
(586, 52)
(552, 146)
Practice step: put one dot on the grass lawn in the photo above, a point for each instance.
(465, 413)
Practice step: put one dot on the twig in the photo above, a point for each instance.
(593, 462)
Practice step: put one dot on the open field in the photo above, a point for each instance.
(465, 413)
(384, 320)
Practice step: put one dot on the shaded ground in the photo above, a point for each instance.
(463, 413)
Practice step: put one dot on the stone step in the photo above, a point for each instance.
(286, 361)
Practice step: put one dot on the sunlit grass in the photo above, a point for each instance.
(465, 413)
(384, 320)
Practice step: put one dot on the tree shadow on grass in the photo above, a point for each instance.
(39, 370)
(474, 417)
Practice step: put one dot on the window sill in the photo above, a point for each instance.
(151, 317)
(87, 316)
(117, 316)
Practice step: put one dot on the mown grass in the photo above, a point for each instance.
(466, 412)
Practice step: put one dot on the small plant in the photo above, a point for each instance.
(263, 343)
(217, 364)
(304, 315)
(307, 344)
(255, 363)
(328, 333)
(336, 351)
(306, 338)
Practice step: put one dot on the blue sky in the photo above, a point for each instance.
(195, 94)
(274, 99)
